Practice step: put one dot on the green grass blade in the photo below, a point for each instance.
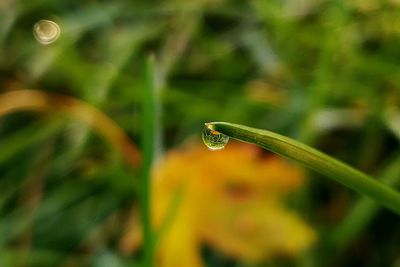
(148, 134)
(26, 137)
(315, 160)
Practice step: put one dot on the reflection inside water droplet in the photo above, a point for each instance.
(46, 31)
(213, 139)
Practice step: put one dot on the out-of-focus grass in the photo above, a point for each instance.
(324, 72)
(148, 148)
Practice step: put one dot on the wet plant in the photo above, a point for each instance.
(313, 159)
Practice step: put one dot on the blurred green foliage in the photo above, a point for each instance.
(324, 72)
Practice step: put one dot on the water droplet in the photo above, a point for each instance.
(46, 31)
(213, 139)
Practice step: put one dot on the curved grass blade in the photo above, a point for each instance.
(315, 160)
(36, 100)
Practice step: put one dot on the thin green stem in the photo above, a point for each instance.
(315, 160)
(148, 155)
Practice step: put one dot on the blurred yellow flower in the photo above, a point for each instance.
(229, 200)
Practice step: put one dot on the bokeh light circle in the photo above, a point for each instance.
(46, 31)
